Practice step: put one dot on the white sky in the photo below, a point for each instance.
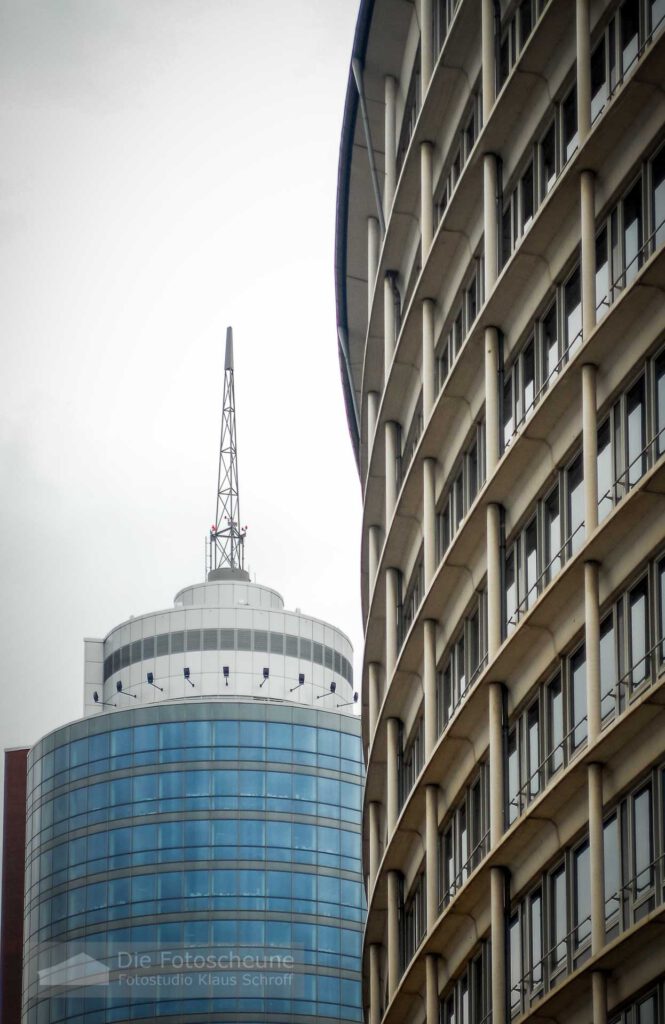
(167, 167)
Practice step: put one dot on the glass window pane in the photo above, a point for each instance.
(552, 535)
(558, 922)
(629, 26)
(547, 161)
(642, 840)
(578, 697)
(602, 274)
(570, 137)
(658, 190)
(612, 866)
(510, 586)
(632, 231)
(536, 939)
(533, 749)
(639, 633)
(528, 379)
(608, 668)
(581, 896)
(605, 474)
(575, 496)
(660, 403)
(550, 345)
(555, 724)
(573, 312)
(513, 777)
(636, 432)
(515, 941)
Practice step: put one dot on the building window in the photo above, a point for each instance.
(464, 839)
(464, 140)
(467, 478)
(413, 921)
(413, 596)
(467, 999)
(553, 533)
(410, 763)
(411, 110)
(410, 442)
(462, 663)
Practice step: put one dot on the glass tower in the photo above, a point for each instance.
(194, 852)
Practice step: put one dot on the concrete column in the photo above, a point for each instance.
(490, 213)
(426, 200)
(372, 414)
(393, 932)
(596, 858)
(373, 554)
(374, 983)
(426, 44)
(392, 443)
(493, 580)
(391, 623)
(389, 325)
(497, 763)
(374, 843)
(392, 758)
(429, 521)
(498, 929)
(390, 146)
(428, 360)
(492, 437)
(589, 448)
(373, 242)
(599, 997)
(583, 39)
(431, 989)
(487, 55)
(588, 251)
(429, 685)
(592, 648)
(373, 670)
(432, 853)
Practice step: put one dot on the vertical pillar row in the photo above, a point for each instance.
(429, 521)
(392, 756)
(373, 670)
(428, 363)
(374, 844)
(498, 931)
(429, 685)
(393, 932)
(597, 878)
(390, 146)
(493, 580)
(487, 56)
(490, 216)
(583, 48)
(426, 200)
(374, 983)
(372, 415)
(392, 442)
(391, 623)
(389, 325)
(426, 44)
(431, 853)
(432, 989)
(372, 259)
(492, 446)
(373, 554)
(496, 763)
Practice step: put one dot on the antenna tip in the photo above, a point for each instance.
(228, 360)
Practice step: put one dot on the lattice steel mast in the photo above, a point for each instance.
(227, 537)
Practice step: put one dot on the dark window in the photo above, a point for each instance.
(556, 723)
(209, 639)
(658, 194)
(570, 124)
(629, 27)
(598, 80)
(558, 918)
(639, 633)
(547, 161)
(632, 231)
(148, 647)
(162, 645)
(578, 697)
(581, 896)
(573, 312)
(177, 642)
(636, 432)
(608, 667)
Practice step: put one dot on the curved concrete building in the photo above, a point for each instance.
(500, 274)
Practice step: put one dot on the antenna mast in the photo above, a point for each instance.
(227, 537)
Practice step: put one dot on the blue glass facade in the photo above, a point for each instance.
(215, 828)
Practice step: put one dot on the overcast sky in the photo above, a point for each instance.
(168, 167)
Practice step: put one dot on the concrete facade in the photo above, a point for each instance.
(500, 274)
